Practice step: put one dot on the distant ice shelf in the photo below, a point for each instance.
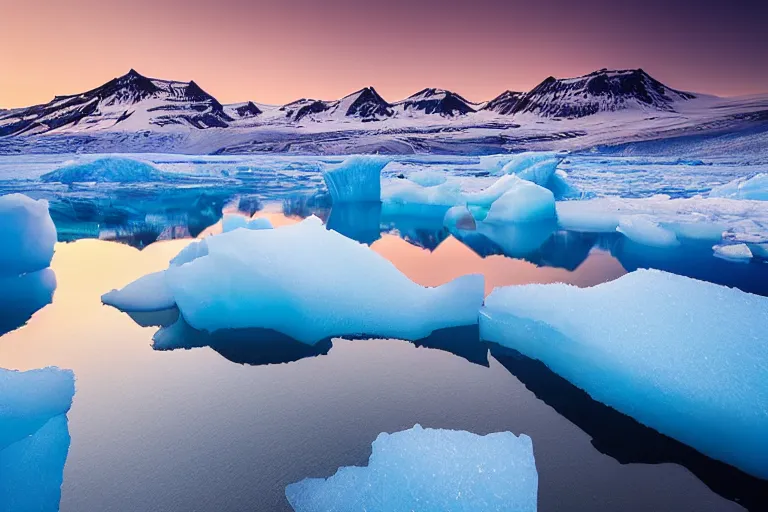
(301, 280)
(682, 356)
(430, 470)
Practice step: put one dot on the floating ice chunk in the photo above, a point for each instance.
(430, 470)
(523, 201)
(705, 218)
(106, 170)
(408, 192)
(754, 188)
(526, 161)
(486, 197)
(356, 179)
(733, 252)
(644, 230)
(231, 222)
(32, 468)
(540, 172)
(270, 279)
(29, 399)
(148, 293)
(428, 178)
(459, 217)
(191, 252)
(27, 235)
(684, 357)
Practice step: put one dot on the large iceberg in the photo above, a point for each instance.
(356, 179)
(523, 201)
(430, 470)
(106, 170)
(34, 438)
(754, 188)
(303, 281)
(27, 235)
(682, 356)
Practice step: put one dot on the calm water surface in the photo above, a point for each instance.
(210, 428)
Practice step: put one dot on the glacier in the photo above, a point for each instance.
(27, 233)
(356, 179)
(106, 170)
(684, 357)
(34, 438)
(270, 279)
(430, 470)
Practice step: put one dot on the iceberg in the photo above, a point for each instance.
(684, 357)
(27, 235)
(430, 470)
(428, 178)
(523, 201)
(356, 179)
(696, 217)
(106, 170)
(733, 252)
(642, 229)
(527, 161)
(231, 222)
(754, 188)
(305, 282)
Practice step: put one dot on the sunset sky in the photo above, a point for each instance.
(275, 51)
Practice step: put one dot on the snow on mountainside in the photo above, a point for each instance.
(435, 101)
(601, 91)
(131, 101)
(504, 103)
(365, 105)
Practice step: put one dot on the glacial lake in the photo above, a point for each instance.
(226, 422)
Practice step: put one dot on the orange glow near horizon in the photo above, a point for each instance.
(272, 51)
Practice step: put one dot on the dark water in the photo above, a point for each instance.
(225, 422)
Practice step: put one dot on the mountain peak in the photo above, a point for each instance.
(436, 101)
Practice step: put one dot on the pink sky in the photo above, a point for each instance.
(275, 51)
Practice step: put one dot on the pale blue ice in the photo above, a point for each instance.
(684, 357)
(430, 470)
(27, 235)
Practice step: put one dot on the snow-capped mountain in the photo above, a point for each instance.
(435, 101)
(601, 91)
(504, 103)
(131, 101)
(364, 105)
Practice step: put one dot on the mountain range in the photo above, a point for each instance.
(137, 113)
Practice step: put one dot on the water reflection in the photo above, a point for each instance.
(621, 437)
(22, 296)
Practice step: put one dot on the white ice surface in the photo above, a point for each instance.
(430, 470)
(27, 235)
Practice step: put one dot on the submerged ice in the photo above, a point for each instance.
(682, 356)
(430, 470)
(27, 235)
(304, 281)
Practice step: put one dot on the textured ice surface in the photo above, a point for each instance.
(696, 217)
(27, 235)
(644, 230)
(105, 170)
(191, 252)
(526, 165)
(428, 178)
(733, 252)
(430, 470)
(231, 222)
(356, 179)
(754, 188)
(29, 399)
(304, 281)
(682, 356)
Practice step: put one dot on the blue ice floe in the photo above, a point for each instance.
(106, 170)
(356, 179)
(303, 281)
(684, 357)
(733, 252)
(430, 470)
(27, 235)
(34, 439)
(754, 188)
